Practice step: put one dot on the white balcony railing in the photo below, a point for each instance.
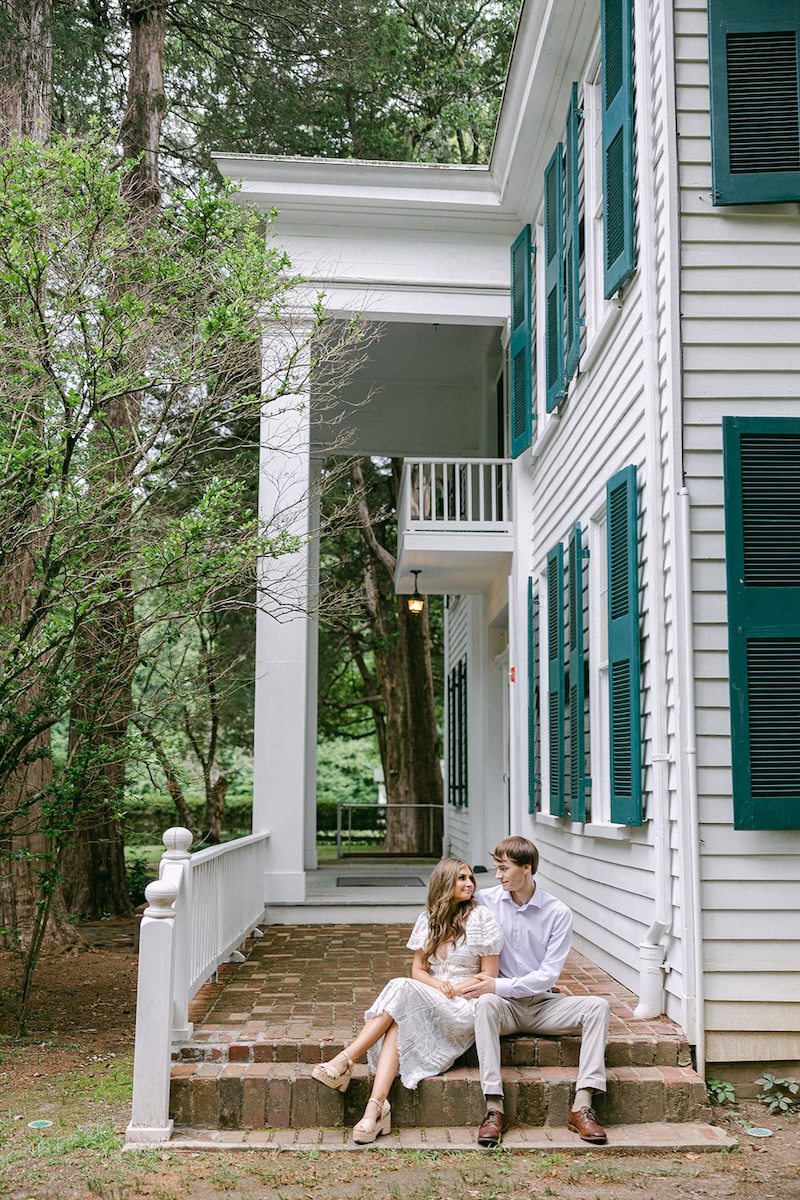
(455, 494)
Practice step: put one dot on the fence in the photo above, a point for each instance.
(464, 494)
(433, 850)
(200, 909)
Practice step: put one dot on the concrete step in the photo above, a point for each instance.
(259, 1095)
(345, 912)
(645, 1137)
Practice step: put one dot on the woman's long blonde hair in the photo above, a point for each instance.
(447, 918)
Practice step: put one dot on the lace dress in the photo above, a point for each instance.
(432, 1030)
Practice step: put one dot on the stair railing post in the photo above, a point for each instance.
(150, 1120)
(176, 866)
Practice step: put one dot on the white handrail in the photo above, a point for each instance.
(201, 908)
(468, 494)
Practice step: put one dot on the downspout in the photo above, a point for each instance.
(651, 951)
(691, 814)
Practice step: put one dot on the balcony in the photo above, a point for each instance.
(454, 525)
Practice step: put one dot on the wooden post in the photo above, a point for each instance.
(150, 1120)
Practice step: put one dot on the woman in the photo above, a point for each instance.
(421, 1025)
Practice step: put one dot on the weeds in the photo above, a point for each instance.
(720, 1091)
(781, 1095)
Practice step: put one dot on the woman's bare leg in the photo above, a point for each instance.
(373, 1031)
(388, 1064)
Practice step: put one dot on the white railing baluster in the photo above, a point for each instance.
(469, 494)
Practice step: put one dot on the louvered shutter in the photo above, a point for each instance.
(554, 278)
(754, 51)
(555, 677)
(624, 665)
(531, 699)
(762, 542)
(572, 285)
(618, 225)
(521, 343)
(577, 680)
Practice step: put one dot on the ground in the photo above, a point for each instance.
(74, 1068)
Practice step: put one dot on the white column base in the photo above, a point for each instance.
(182, 1033)
(138, 1136)
(285, 887)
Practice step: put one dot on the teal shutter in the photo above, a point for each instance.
(521, 342)
(618, 229)
(554, 278)
(754, 51)
(577, 681)
(624, 665)
(555, 677)
(572, 284)
(531, 698)
(762, 540)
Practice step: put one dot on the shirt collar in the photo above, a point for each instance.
(534, 902)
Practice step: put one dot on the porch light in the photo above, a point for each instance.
(416, 603)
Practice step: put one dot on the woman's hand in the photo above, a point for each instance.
(420, 972)
(445, 987)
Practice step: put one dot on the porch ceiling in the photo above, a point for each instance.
(421, 392)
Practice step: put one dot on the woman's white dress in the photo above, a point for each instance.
(432, 1030)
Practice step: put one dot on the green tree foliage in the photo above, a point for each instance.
(393, 80)
(160, 317)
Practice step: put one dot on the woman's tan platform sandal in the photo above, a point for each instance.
(368, 1128)
(327, 1073)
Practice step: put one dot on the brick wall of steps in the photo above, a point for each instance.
(267, 1084)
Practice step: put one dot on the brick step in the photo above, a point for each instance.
(259, 1095)
(654, 1050)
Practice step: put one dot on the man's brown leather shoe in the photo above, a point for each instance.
(584, 1123)
(492, 1127)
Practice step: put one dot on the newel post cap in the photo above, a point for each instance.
(161, 894)
(177, 842)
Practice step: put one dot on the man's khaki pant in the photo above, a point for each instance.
(548, 1013)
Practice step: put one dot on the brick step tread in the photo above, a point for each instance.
(646, 1136)
(284, 1095)
(645, 1050)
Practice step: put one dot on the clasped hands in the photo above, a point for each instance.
(479, 985)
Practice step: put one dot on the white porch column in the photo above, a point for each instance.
(286, 668)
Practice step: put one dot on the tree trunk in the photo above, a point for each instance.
(27, 856)
(409, 738)
(216, 788)
(26, 63)
(95, 866)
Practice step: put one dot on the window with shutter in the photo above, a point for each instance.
(532, 698)
(577, 681)
(618, 181)
(572, 285)
(521, 343)
(555, 678)
(457, 734)
(554, 279)
(762, 543)
(754, 51)
(624, 663)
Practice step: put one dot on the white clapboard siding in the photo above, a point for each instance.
(610, 884)
(741, 349)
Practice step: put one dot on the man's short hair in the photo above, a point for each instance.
(517, 850)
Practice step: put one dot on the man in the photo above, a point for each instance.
(538, 933)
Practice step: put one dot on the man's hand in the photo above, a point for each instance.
(482, 985)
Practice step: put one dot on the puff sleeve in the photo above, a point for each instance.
(484, 935)
(419, 934)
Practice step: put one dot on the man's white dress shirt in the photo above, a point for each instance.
(537, 935)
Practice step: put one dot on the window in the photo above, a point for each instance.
(521, 349)
(755, 100)
(555, 679)
(624, 657)
(577, 679)
(457, 734)
(618, 178)
(762, 540)
(555, 377)
(533, 694)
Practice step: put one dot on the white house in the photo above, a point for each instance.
(590, 362)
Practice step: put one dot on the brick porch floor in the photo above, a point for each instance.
(304, 987)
